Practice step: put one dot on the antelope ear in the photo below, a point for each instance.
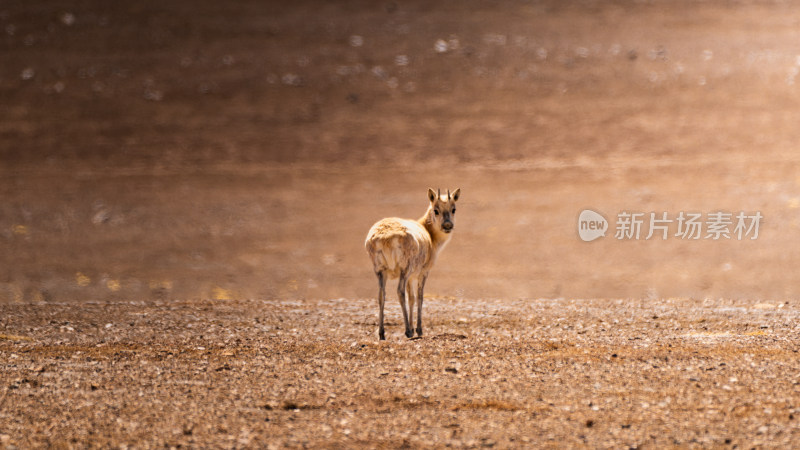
(431, 195)
(455, 194)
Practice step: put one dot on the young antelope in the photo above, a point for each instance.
(406, 249)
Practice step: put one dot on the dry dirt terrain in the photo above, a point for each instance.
(489, 373)
(185, 188)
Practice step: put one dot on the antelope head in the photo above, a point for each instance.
(442, 210)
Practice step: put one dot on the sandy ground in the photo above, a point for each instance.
(504, 373)
(186, 187)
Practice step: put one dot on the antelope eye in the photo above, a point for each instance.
(454, 210)
(436, 211)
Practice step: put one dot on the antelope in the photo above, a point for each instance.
(406, 249)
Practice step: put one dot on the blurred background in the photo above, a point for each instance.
(158, 150)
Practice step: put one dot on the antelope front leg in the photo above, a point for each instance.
(401, 294)
(381, 301)
(411, 300)
(421, 283)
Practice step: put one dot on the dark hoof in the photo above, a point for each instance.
(381, 336)
(409, 334)
(419, 332)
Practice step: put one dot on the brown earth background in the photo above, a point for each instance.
(219, 163)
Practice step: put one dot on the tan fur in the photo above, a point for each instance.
(407, 249)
